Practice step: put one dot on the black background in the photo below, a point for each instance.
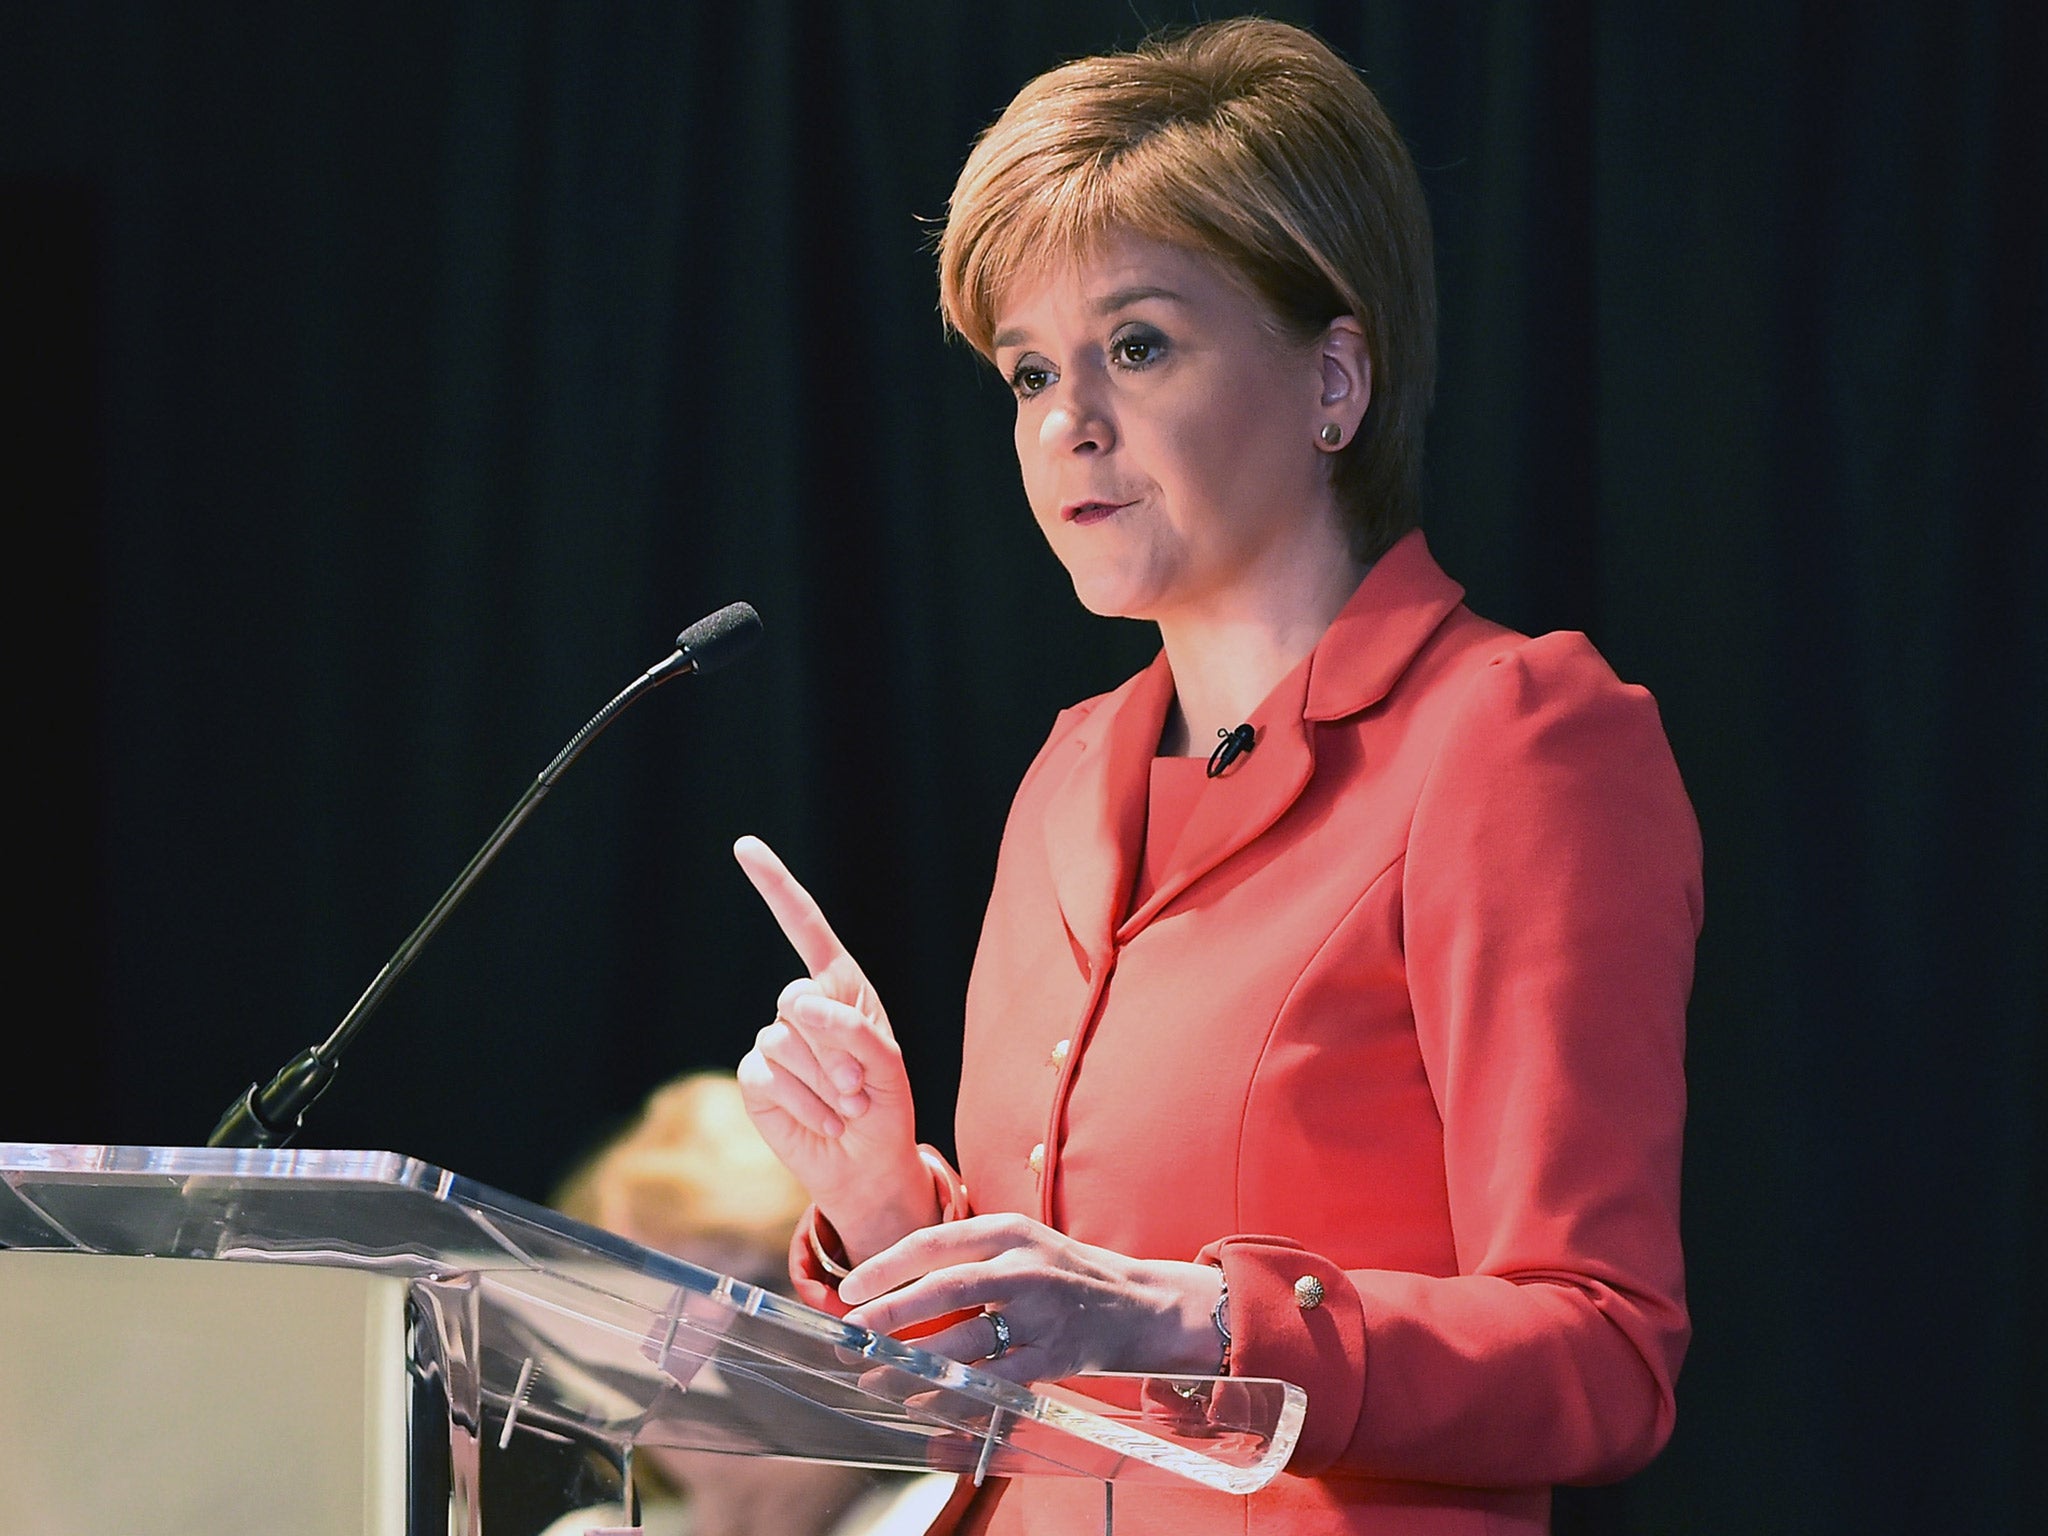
(392, 382)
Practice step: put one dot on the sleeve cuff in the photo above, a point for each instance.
(1295, 1316)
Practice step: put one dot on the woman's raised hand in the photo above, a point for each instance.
(825, 1083)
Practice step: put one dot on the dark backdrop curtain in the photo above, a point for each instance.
(394, 382)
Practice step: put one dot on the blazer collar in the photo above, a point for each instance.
(1095, 820)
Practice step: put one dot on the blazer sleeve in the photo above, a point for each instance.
(1551, 906)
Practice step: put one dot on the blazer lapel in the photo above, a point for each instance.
(1247, 798)
(1397, 607)
(1095, 821)
(1403, 600)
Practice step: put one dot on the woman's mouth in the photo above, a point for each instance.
(1085, 512)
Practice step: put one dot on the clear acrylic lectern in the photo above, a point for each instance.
(224, 1341)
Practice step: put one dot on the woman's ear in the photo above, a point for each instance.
(1346, 379)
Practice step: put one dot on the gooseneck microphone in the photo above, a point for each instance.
(271, 1115)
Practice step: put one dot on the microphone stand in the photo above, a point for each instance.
(271, 1115)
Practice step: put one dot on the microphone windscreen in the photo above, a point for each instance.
(720, 637)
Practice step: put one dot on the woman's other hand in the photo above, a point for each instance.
(825, 1083)
(1068, 1307)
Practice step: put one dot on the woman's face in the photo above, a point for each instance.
(1167, 434)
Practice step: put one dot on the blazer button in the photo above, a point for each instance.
(1059, 1053)
(1037, 1158)
(1308, 1293)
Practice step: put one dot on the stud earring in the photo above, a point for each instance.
(1332, 434)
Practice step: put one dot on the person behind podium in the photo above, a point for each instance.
(691, 1177)
(1327, 1019)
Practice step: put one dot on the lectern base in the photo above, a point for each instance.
(141, 1394)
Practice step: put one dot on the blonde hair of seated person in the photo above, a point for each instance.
(690, 1176)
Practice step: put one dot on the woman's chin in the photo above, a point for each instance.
(1113, 599)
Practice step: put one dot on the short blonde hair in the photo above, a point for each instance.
(1253, 143)
(689, 1172)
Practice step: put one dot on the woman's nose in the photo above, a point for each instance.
(1079, 422)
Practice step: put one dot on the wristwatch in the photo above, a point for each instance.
(1220, 1316)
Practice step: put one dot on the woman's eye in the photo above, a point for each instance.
(1029, 378)
(1137, 349)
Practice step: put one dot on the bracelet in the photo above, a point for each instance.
(1198, 1391)
(826, 1262)
(950, 1192)
(1218, 1315)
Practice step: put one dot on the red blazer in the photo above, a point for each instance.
(1407, 1016)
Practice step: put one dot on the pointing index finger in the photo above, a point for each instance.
(795, 910)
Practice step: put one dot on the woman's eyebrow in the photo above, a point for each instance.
(1108, 304)
(1124, 298)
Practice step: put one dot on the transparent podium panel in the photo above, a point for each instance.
(526, 1323)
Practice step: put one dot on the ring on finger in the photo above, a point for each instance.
(1001, 1325)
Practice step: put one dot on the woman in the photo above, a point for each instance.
(1327, 1019)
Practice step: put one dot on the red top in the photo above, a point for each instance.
(1177, 783)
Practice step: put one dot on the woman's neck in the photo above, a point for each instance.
(1225, 662)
